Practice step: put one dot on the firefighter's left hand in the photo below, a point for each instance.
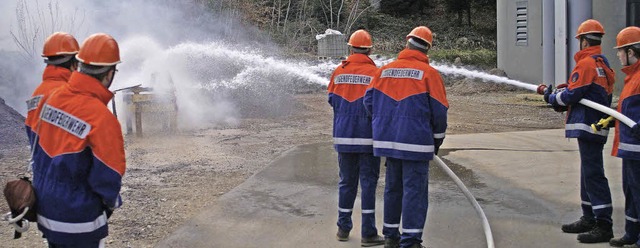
(547, 93)
(635, 131)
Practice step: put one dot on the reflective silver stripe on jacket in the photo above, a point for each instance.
(586, 128)
(64, 227)
(559, 99)
(352, 141)
(402, 146)
(438, 135)
(629, 147)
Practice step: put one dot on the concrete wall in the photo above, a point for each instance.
(522, 63)
(611, 14)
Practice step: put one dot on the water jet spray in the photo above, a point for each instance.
(497, 79)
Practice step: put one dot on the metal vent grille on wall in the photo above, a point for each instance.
(521, 23)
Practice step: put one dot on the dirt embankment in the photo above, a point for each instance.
(171, 177)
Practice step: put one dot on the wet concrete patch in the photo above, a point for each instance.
(292, 202)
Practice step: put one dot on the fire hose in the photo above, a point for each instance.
(485, 223)
(498, 79)
(604, 109)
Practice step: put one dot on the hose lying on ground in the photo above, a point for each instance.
(472, 200)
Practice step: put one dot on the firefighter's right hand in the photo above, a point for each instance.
(603, 123)
(109, 212)
(436, 145)
(635, 131)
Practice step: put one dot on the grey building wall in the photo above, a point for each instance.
(524, 63)
(520, 62)
(611, 14)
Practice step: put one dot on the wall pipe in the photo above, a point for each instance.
(548, 42)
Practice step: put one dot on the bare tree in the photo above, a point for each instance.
(34, 23)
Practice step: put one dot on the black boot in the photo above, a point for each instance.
(391, 243)
(374, 240)
(602, 232)
(342, 235)
(584, 224)
(620, 242)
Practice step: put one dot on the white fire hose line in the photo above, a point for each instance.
(472, 200)
(604, 109)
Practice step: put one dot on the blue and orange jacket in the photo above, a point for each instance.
(79, 162)
(53, 77)
(351, 123)
(624, 144)
(408, 104)
(591, 79)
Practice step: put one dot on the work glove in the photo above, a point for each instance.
(603, 123)
(547, 93)
(635, 131)
(436, 145)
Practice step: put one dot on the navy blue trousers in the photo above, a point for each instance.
(354, 166)
(631, 189)
(594, 186)
(406, 196)
(82, 244)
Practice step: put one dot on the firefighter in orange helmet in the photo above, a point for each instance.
(592, 79)
(79, 158)
(408, 105)
(59, 54)
(627, 139)
(352, 139)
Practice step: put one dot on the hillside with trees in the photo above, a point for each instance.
(463, 28)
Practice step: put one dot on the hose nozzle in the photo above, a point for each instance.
(602, 123)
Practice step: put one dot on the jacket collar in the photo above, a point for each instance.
(358, 58)
(630, 70)
(413, 55)
(87, 85)
(589, 51)
(56, 73)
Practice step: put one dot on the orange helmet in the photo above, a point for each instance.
(590, 26)
(627, 37)
(100, 50)
(360, 39)
(423, 33)
(60, 43)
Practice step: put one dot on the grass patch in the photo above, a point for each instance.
(483, 58)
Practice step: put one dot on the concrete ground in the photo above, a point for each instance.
(526, 182)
